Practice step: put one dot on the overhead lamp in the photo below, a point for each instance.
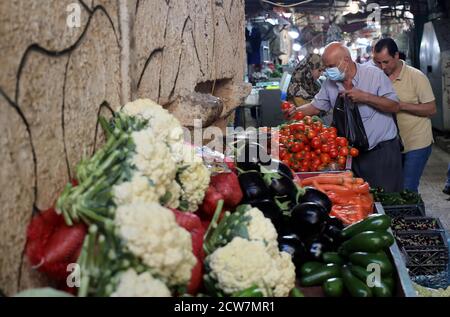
(316, 51)
(287, 15)
(294, 34)
(301, 57)
(296, 47)
(321, 17)
(353, 7)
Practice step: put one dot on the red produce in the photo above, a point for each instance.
(227, 184)
(192, 223)
(52, 245)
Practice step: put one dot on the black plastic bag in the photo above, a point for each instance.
(347, 120)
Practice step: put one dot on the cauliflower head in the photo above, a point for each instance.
(139, 189)
(151, 233)
(261, 228)
(154, 160)
(242, 263)
(194, 179)
(132, 284)
(164, 125)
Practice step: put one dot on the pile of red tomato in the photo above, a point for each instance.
(306, 145)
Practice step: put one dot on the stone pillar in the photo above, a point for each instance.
(57, 77)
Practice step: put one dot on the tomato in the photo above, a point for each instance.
(307, 120)
(332, 130)
(343, 151)
(318, 151)
(298, 156)
(307, 148)
(302, 138)
(325, 158)
(317, 126)
(295, 147)
(298, 116)
(316, 161)
(283, 139)
(285, 132)
(308, 156)
(325, 148)
(332, 135)
(354, 152)
(313, 155)
(334, 153)
(305, 164)
(315, 143)
(303, 170)
(341, 141)
(285, 106)
(311, 134)
(321, 167)
(342, 160)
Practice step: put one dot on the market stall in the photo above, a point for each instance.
(149, 215)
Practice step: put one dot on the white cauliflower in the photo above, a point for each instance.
(153, 159)
(172, 197)
(194, 179)
(242, 264)
(139, 189)
(132, 284)
(261, 228)
(154, 172)
(164, 125)
(151, 233)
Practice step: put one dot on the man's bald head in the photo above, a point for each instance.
(334, 53)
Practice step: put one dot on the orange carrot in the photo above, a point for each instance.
(323, 180)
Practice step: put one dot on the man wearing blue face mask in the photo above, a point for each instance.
(367, 87)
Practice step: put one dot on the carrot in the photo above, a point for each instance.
(361, 189)
(343, 174)
(318, 186)
(323, 180)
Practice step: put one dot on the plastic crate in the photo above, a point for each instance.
(405, 210)
(424, 259)
(401, 224)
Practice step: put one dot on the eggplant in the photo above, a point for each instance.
(335, 222)
(308, 219)
(294, 246)
(280, 185)
(278, 166)
(332, 236)
(313, 195)
(253, 187)
(250, 156)
(271, 211)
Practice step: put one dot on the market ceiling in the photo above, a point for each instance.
(254, 6)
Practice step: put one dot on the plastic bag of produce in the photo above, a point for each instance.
(347, 120)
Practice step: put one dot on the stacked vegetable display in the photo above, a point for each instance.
(307, 145)
(360, 267)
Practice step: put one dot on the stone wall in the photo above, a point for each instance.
(55, 80)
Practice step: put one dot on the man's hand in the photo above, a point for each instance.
(307, 109)
(357, 96)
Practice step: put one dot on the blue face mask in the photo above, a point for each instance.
(335, 74)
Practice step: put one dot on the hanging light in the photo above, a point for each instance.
(301, 57)
(316, 51)
(353, 7)
(296, 47)
(294, 34)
